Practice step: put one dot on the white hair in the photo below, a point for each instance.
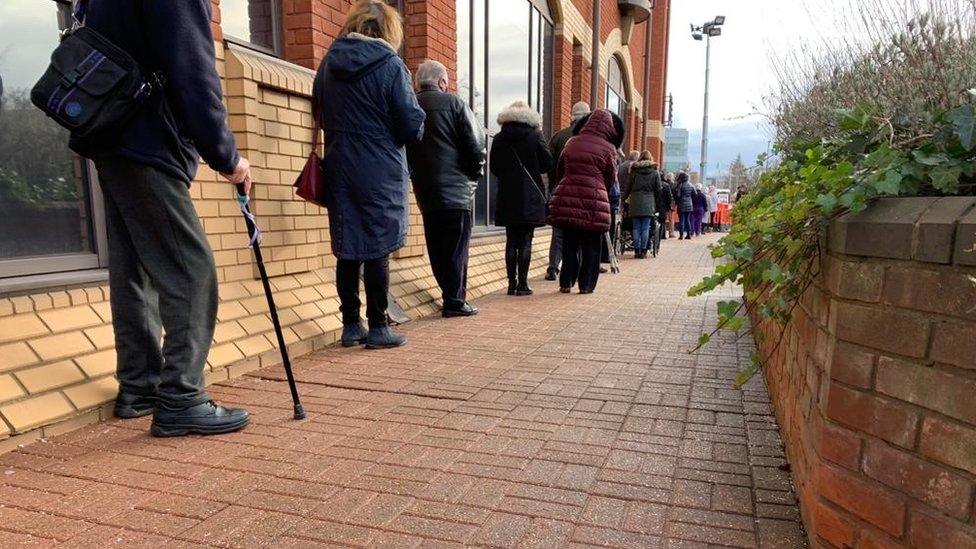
(430, 73)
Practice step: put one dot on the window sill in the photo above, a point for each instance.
(26, 284)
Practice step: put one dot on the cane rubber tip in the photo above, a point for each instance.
(299, 412)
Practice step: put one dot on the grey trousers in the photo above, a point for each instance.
(555, 250)
(161, 276)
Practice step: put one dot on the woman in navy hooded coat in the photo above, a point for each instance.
(364, 100)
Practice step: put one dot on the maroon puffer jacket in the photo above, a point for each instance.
(588, 164)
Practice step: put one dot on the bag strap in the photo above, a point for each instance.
(532, 179)
(79, 13)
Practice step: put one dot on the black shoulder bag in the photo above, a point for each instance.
(91, 85)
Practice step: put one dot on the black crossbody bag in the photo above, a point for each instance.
(92, 86)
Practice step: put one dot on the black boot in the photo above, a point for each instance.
(202, 419)
(523, 274)
(511, 269)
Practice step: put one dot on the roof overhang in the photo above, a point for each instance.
(632, 13)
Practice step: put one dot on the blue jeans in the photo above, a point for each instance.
(641, 231)
(684, 224)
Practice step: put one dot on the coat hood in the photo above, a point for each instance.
(644, 165)
(355, 55)
(521, 114)
(603, 124)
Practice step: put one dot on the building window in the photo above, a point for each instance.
(616, 96)
(253, 23)
(50, 213)
(517, 35)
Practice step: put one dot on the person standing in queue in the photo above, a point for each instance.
(685, 197)
(162, 275)
(445, 168)
(364, 100)
(643, 197)
(519, 157)
(581, 204)
(556, 146)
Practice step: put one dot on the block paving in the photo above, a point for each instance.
(548, 421)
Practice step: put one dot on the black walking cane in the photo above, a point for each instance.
(255, 234)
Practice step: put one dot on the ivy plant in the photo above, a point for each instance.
(774, 248)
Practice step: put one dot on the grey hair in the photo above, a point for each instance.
(430, 73)
(634, 155)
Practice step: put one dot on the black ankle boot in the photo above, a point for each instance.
(523, 275)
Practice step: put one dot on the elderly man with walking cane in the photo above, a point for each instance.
(445, 168)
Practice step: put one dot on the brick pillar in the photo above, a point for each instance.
(310, 27)
(563, 82)
(577, 79)
(215, 21)
(659, 75)
(431, 33)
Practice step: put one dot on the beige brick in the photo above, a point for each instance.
(98, 364)
(60, 299)
(22, 304)
(16, 355)
(6, 307)
(50, 376)
(93, 393)
(9, 389)
(18, 327)
(36, 411)
(254, 346)
(42, 302)
(65, 320)
(222, 355)
(78, 296)
(103, 336)
(61, 346)
(103, 310)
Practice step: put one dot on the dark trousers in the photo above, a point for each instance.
(555, 250)
(518, 253)
(581, 259)
(161, 277)
(448, 235)
(376, 276)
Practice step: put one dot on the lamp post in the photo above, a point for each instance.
(706, 32)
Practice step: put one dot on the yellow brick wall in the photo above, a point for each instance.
(57, 356)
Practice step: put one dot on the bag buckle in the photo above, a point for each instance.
(69, 80)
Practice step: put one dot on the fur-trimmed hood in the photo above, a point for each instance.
(644, 164)
(520, 113)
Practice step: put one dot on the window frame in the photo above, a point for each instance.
(277, 33)
(44, 271)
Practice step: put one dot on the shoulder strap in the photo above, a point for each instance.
(80, 12)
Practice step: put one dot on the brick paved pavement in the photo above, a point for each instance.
(555, 420)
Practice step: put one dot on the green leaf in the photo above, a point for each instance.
(704, 339)
(891, 183)
(748, 372)
(728, 308)
(827, 202)
(735, 323)
(946, 179)
(773, 274)
(963, 119)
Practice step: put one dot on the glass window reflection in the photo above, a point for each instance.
(251, 21)
(44, 203)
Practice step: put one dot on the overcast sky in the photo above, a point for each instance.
(755, 32)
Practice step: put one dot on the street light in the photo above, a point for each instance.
(706, 32)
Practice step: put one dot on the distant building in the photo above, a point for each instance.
(675, 149)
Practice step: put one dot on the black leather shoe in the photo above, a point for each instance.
(523, 290)
(551, 275)
(202, 419)
(465, 310)
(129, 406)
(604, 270)
(384, 338)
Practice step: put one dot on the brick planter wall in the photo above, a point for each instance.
(874, 381)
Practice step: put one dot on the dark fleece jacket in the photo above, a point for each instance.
(188, 120)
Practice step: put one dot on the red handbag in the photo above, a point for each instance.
(310, 184)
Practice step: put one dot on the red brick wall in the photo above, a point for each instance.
(874, 384)
(563, 88)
